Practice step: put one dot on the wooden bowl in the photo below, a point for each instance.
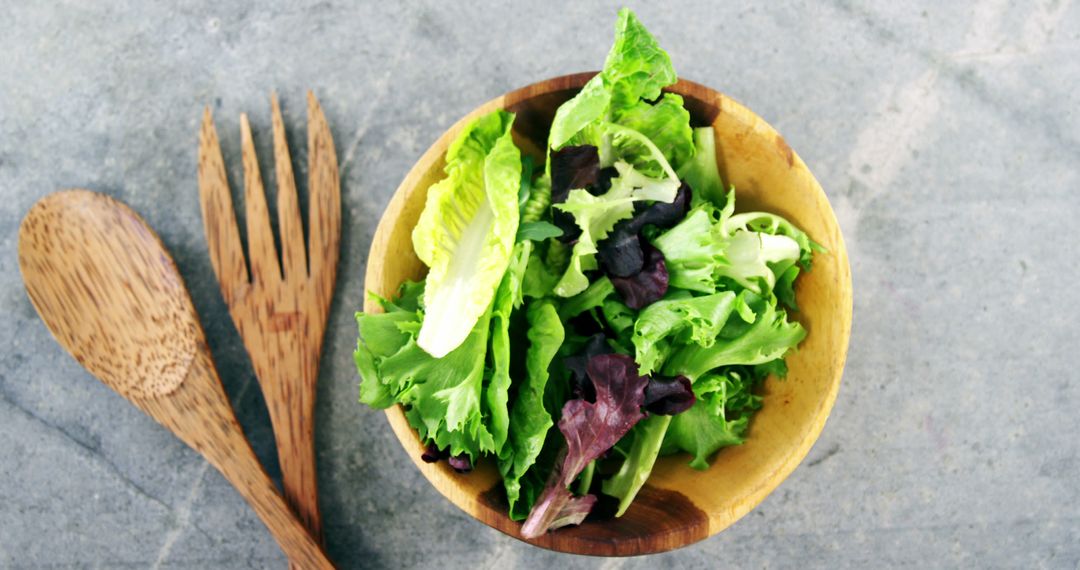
(679, 505)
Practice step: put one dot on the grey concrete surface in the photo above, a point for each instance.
(945, 133)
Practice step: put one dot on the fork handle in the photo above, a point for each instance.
(303, 551)
(294, 432)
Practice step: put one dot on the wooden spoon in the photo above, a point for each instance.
(111, 295)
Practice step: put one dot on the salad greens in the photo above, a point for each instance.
(579, 321)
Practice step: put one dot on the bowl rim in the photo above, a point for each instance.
(474, 505)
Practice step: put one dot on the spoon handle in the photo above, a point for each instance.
(198, 412)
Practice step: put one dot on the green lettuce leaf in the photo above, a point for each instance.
(701, 171)
(592, 297)
(381, 336)
(692, 249)
(620, 318)
(773, 225)
(535, 207)
(588, 106)
(537, 231)
(768, 337)
(666, 124)
(718, 418)
(507, 298)
(529, 421)
(679, 320)
(466, 232)
(442, 396)
(752, 250)
(785, 287)
(635, 470)
(754, 260)
(636, 68)
(539, 278)
(455, 401)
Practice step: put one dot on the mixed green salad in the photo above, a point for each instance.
(581, 319)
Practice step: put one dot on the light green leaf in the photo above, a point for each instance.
(588, 106)
(636, 68)
(701, 172)
(692, 250)
(666, 124)
(466, 232)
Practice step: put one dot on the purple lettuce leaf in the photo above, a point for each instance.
(648, 285)
(432, 454)
(460, 463)
(580, 384)
(590, 429)
(668, 396)
(571, 167)
(622, 253)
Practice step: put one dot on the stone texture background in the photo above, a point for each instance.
(946, 135)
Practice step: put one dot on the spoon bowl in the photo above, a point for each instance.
(109, 292)
(678, 505)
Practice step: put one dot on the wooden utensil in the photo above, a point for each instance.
(110, 293)
(280, 310)
(679, 505)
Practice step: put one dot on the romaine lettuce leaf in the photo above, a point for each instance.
(507, 298)
(529, 421)
(666, 124)
(636, 68)
(701, 172)
(467, 230)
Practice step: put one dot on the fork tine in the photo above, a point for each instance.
(292, 231)
(219, 219)
(262, 254)
(324, 221)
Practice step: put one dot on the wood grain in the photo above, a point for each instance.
(281, 309)
(768, 175)
(111, 295)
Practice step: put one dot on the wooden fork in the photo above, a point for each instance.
(280, 309)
